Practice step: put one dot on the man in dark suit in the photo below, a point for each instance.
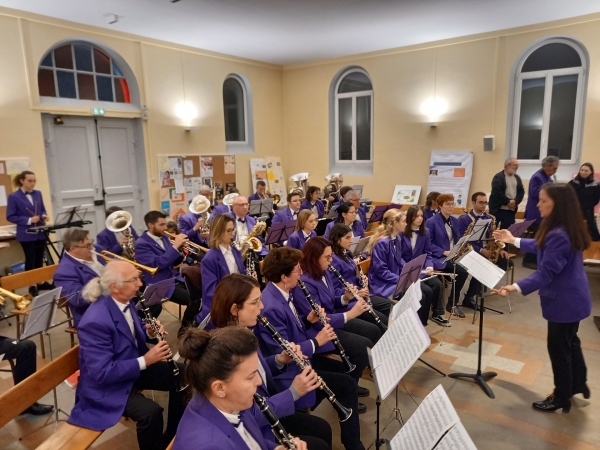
(507, 193)
(116, 364)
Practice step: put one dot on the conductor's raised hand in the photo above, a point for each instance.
(504, 236)
(160, 352)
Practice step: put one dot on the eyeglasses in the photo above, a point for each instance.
(133, 280)
(449, 204)
(328, 257)
(241, 204)
(297, 272)
(89, 245)
(229, 230)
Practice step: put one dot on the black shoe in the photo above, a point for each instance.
(457, 312)
(362, 408)
(45, 286)
(530, 265)
(552, 404)
(441, 320)
(33, 290)
(38, 409)
(363, 392)
(584, 390)
(471, 305)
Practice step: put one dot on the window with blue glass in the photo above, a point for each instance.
(83, 72)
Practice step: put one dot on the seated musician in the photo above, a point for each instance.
(361, 211)
(155, 249)
(312, 202)
(291, 211)
(281, 268)
(76, 268)
(416, 242)
(114, 241)
(431, 206)
(343, 195)
(223, 209)
(224, 371)
(115, 362)
(346, 214)
(193, 225)
(243, 222)
(305, 229)
(387, 262)
(261, 193)
(222, 259)
(237, 301)
(445, 233)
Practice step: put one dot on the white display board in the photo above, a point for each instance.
(450, 172)
(406, 195)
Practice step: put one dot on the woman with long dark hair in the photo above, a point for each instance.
(588, 192)
(563, 288)
(347, 215)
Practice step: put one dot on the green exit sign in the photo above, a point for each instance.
(98, 111)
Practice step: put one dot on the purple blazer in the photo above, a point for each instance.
(283, 215)
(348, 271)
(219, 209)
(203, 427)
(422, 246)
(186, 226)
(429, 213)
(463, 223)
(560, 278)
(72, 276)
(149, 253)
(536, 182)
(322, 295)
(108, 363)
(19, 210)
(108, 241)
(214, 268)
(386, 265)
(357, 229)
(297, 239)
(319, 204)
(439, 238)
(362, 215)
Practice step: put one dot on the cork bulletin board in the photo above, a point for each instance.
(8, 169)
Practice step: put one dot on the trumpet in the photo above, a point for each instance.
(20, 301)
(110, 256)
(189, 246)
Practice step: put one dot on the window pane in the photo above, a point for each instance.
(355, 82)
(119, 97)
(105, 91)
(85, 83)
(345, 129)
(117, 71)
(47, 61)
(363, 128)
(233, 104)
(63, 57)
(552, 56)
(102, 62)
(46, 86)
(562, 116)
(66, 84)
(83, 57)
(531, 118)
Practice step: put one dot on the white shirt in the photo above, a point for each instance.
(241, 229)
(306, 235)
(30, 198)
(314, 209)
(449, 233)
(158, 240)
(413, 238)
(94, 264)
(234, 419)
(229, 259)
(129, 318)
(294, 214)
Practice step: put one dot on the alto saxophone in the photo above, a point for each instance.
(251, 242)
(493, 246)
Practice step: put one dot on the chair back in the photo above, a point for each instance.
(29, 278)
(193, 281)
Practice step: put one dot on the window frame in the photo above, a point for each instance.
(245, 109)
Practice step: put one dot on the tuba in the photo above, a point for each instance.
(119, 222)
(301, 180)
(200, 205)
(330, 190)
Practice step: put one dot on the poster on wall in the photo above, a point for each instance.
(206, 167)
(406, 195)
(275, 179)
(450, 172)
(229, 162)
(258, 171)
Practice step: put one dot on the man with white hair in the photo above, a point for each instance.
(361, 214)
(116, 364)
(507, 193)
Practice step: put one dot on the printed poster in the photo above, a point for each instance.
(229, 165)
(450, 172)
(276, 182)
(206, 167)
(406, 195)
(188, 167)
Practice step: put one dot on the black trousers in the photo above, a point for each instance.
(24, 354)
(505, 218)
(382, 307)
(148, 414)
(433, 286)
(568, 365)
(313, 430)
(461, 278)
(34, 254)
(181, 296)
(355, 344)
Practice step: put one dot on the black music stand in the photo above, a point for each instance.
(360, 247)
(261, 208)
(451, 257)
(517, 229)
(154, 294)
(280, 232)
(379, 211)
(322, 226)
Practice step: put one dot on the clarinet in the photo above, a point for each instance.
(151, 320)
(338, 345)
(349, 287)
(343, 412)
(282, 436)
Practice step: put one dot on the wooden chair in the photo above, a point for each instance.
(593, 253)
(369, 233)
(364, 265)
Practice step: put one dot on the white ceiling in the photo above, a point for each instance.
(294, 31)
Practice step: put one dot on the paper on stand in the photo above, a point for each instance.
(456, 439)
(482, 269)
(410, 299)
(3, 198)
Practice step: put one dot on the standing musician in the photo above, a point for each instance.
(261, 193)
(305, 229)
(25, 208)
(282, 269)
(114, 241)
(431, 206)
(115, 362)
(507, 193)
(361, 211)
(416, 242)
(387, 262)
(237, 302)
(155, 249)
(588, 193)
(224, 370)
(195, 225)
(347, 214)
(78, 266)
(222, 259)
(292, 210)
(312, 202)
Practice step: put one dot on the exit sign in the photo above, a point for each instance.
(98, 111)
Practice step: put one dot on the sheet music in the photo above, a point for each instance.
(411, 299)
(482, 269)
(456, 439)
(434, 416)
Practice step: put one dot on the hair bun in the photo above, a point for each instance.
(193, 343)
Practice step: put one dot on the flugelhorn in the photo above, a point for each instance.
(190, 246)
(110, 256)
(20, 301)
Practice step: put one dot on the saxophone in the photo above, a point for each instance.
(467, 247)
(493, 246)
(251, 242)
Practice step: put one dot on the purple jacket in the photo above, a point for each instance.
(297, 239)
(186, 226)
(72, 276)
(149, 253)
(386, 265)
(19, 210)
(536, 182)
(422, 246)
(439, 238)
(214, 268)
(429, 213)
(560, 278)
(108, 241)
(319, 204)
(203, 427)
(463, 223)
(357, 229)
(219, 209)
(283, 215)
(348, 271)
(323, 295)
(108, 363)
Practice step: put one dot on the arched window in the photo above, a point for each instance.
(548, 106)
(237, 110)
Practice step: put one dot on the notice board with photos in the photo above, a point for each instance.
(181, 176)
(9, 168)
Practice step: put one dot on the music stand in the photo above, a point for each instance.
(358, 189)
(154, 294)
(379, 211)
(280, 232)
(360, 246)
(410, 274)
(479, 231)
(262, 207)
(451, 256)
(517, 229)
(333, 212)
(322, 226)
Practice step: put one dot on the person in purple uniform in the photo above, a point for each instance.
(347, 215)
(116, 364)
(114, 241)
(563, 288)
(541, 177)
(223, 209)
(431, 206)
(305, 229)
(261, 193)
(243, 222)
(354, 198)
(194, 227)
(25, 208)
(237, 302)
(312, 202)
(291, 211)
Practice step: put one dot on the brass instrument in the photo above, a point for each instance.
(20, 301)
(276, 198)
(189, 246)
(110, 256)
(331, 190)
(301, 180)
(468, 247)
(119, 222)
(493, 246)
(251, 242)
(229, 198)
(200, 205)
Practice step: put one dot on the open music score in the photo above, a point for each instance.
(481, 268)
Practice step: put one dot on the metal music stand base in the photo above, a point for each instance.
(431, 367)
(397, 414)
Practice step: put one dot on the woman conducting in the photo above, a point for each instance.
(305, 229)
(563, 289)
(588, 192)
(223, 369)
(347, 215)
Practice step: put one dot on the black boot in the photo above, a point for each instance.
(552, 404)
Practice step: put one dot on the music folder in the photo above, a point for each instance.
(280, 232)
(379, 211)
(322, 226)
(410, 274)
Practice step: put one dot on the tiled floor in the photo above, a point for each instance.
(514, 346)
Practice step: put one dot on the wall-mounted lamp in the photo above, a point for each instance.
(433, 108)
(187, 112)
